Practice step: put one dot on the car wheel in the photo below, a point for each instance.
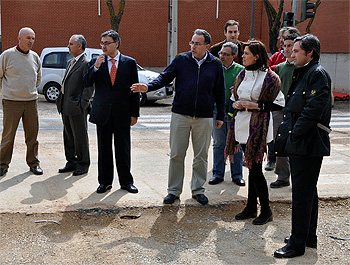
(143, 99)
(51, 92)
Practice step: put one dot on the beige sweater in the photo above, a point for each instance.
(20, 75)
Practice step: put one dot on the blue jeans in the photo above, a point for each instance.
(220, 136)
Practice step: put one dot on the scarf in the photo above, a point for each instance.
(259, 122)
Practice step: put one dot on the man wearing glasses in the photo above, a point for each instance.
(199, 84)
(114, 110)
(227, 55)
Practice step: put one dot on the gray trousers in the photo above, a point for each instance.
(282, 163)
(76, 140)
(181, 128)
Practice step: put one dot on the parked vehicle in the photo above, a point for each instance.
(54, 61)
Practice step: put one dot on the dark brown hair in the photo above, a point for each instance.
(256, 47)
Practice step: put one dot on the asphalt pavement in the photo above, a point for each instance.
(21, 191)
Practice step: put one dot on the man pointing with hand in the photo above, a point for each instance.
(199, 84)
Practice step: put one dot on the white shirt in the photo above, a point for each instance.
(202, 60)
(110, 63)
(249, 90)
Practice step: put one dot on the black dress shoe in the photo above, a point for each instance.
(287, 252)
(2, 171)
(130, 188)
(201, 198)
(66, 169)
(80, 171)
(103, 188)
(270, 166)
(279, 184)
(263, 218)
(246, 214)
(308, 244)
(170, 199)
(215, 180)
(239, 182)
(36, 170)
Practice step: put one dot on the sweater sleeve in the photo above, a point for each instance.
(39, 72)
(165, 77)
(220, 96)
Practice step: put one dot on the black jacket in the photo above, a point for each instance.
(196, 88)
(116, 101)
(308, 108)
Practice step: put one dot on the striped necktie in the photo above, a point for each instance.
(113, 71)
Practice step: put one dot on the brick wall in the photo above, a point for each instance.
(143, 28)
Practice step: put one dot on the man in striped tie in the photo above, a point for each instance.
(114, 110)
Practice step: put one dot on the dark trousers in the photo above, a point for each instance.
(305, 172)
(76, 140)
(257, 187)
(121, 135)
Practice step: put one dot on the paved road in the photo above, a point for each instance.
(22, 191)
(156, 116)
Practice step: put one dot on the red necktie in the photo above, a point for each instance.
(113, 71)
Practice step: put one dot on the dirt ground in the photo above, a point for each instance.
(168, 235)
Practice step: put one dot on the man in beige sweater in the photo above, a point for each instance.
(20, 75)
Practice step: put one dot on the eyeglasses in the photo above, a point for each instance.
(191, 43)
(106, 43)
(225, 54)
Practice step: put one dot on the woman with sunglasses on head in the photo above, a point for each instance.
(255, 94)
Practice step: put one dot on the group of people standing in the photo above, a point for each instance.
(227, 91)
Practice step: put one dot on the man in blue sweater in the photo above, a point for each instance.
(199, 84)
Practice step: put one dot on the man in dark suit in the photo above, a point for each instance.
(73, 103)
(114, 110)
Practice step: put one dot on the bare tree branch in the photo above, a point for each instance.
(274, 19)
(307, 30)
(115, 19)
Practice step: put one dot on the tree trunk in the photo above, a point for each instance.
(274, 19)
(115, 19)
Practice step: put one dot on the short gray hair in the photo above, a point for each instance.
(205, 34)
(234, 47)
(81, 40)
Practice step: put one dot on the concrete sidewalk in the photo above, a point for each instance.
(21, 191)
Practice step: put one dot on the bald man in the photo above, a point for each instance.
(20, 75)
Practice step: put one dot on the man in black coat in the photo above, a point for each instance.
(73, 103)
(114, 110)
(303, 137)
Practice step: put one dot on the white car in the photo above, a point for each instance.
(54, 61)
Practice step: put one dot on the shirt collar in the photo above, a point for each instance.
(201, 61)
(115, 58)
(78, 57)
(20, 50)
(226, 68)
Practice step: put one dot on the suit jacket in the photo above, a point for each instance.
(117, 101)
(76, 97)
